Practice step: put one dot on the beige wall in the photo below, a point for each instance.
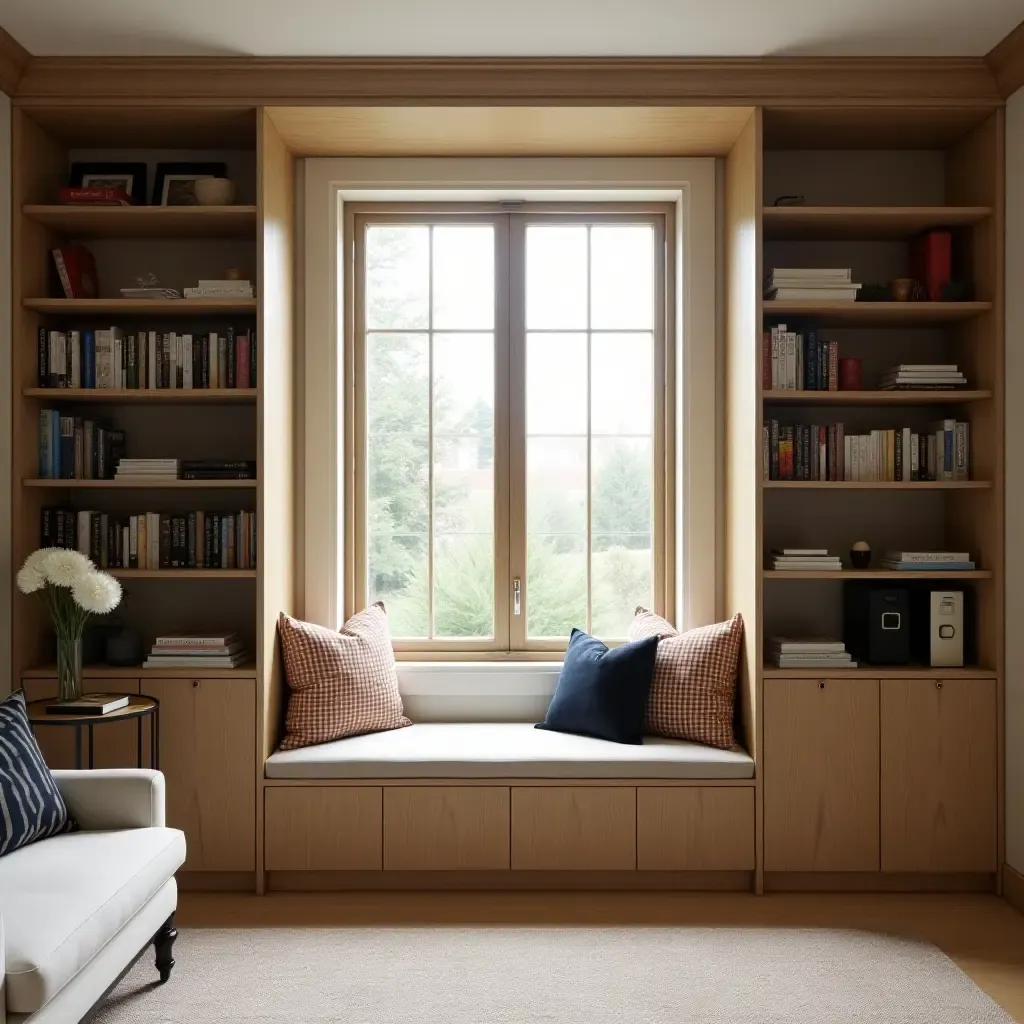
(1014, 481)
(6, 577)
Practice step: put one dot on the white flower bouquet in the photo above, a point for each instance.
(72, 589)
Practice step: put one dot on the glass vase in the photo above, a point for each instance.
(69, 668)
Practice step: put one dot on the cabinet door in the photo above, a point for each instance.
(821, 775)
(57, 742)
(939, 775)
(208, 755)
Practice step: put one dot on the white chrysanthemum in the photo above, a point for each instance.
(97, 592)
(64, 568)
(31, 577)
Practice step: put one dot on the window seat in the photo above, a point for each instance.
(515, 750)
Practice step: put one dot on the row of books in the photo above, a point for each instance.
(798, 361)
(830, 284)
(167, 470)
(827, 453)
(73, 448)
(822, 653)
(199, 651)
(109, 359)
(154, 540)
(805, 559)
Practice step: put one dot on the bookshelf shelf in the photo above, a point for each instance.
(880, 672)
(158, 396)
(867, 223)
(847, 398)
(876, 485)
(877, 314)
(146, 221)
(140, 673)
(138, 307)
(136, 485)
(873, 574)
(183, 574)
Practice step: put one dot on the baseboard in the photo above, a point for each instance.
(876, 881)
(340, 881)
(216, 881)
(1013, 887)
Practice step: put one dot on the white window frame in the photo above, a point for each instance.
(689, 184)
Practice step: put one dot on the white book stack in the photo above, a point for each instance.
(922, 377)
(788, 284)
(199, 651)
(824, 653)
(147, 470)
(222, 289)
(805, 560)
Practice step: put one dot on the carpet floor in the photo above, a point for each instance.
(550, 975)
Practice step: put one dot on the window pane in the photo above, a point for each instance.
(464, 384)
(556, 277)
(621, 579)
(397, 276)
(464, 586)
(620, 485)
(463, 279)
(556, 585)
(622, 384)
(397, 383)
(556, 485)
(556, 384)
(622, 277)
(397, 575)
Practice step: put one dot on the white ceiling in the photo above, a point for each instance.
(327, 28)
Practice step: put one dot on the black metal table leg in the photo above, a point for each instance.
(138, 740)
(154, 751)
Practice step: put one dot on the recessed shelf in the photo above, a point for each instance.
(183, 574)
(156, 396)
(864, 222)
(135, 485)
(147, 221)
(877, 314)
(873, 574)
(874, 397)
(138, 307)
(877, 485)
(879, 672)
(138, 672)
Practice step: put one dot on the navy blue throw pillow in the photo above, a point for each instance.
(31, 807)
(602, 691)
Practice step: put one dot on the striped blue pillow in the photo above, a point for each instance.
(31, 807)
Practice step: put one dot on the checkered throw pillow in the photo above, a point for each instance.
(693, 696)
(342, 684)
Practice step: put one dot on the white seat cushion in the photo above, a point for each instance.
(63, 899)
(483, 750)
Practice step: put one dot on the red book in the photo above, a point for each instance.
(931, 262)
(94, 195)
(766, 361)
(242, 361)
(76, 269)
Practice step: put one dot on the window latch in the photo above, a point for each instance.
(517, 596)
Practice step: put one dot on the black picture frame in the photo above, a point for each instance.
(184, 169)
(138, 172)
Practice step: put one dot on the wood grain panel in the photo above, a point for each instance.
(322, 828)
(446, 828)
(207, 753)
(14, 59)
(56, 742)
(694, 829)
(821, 775)
(938, 762)
(116, 745)
(573, 829)
(1006, 59)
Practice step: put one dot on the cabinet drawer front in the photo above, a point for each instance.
(939, 775)
(567, 828)
(446, 828)
(322, 828)
(695, 828)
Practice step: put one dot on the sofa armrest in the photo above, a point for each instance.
(111, 798)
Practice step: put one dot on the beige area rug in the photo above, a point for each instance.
(511, 975)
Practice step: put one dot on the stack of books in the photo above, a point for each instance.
(805, 559)
(147, 470)
(220, 289)
(197, 650)
(809, 652)
(922, 377)
(810, 284)
(927, 561)
(218, 469)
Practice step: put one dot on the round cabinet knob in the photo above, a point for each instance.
(821, 684)
(195, 683)
(938, 684)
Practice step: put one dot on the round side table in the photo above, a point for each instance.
(138, 707)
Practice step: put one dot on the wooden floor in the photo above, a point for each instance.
(984, 935)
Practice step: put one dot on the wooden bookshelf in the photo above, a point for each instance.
(880, 672)
(135, 485)
(877, 314)
(140, 307)
(855, 223)
(874, 574)
(86, 222)
(877, 485)
(142, 674)
(155, 396)
(183, 574)
(870, 397)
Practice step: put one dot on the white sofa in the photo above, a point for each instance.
(79, 909)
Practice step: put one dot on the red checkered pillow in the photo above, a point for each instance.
(342, 684)
(693, 696)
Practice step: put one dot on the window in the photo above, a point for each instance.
(506, 452)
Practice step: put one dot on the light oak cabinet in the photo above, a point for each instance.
(939, 775)
(821, 770)
(208, 755)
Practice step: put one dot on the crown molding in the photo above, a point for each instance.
(14, 59)
(481, 81)
(1006, 59)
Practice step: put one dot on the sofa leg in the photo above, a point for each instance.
(162, 942)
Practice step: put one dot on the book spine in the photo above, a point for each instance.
(898, 455)
(133, 542)
(833, 366)
(766, 457)
(165, 542)
(186, 358)
(766, 360)
(811, 374)
(52, 359)
(153, 361)
(253, 349)
(230, 354)
(242, 361)
(222, 361)
(43, 358)
(775, 450)
(213, 347)
(74, 350)
(790, 360)
(62, 273)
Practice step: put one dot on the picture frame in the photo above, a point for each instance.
(173, 184)
(129, 176)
